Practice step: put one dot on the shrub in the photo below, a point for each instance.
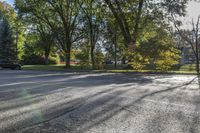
(53, 60)
(83, 56)
(39, 60)
(167, 60)
(138, 62)
(99, 59)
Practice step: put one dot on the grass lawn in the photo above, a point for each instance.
(52, 67)
(43, 67)
(186, 69)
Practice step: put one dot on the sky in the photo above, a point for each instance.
(193, 11)
(11, 2)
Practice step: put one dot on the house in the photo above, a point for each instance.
(187, 55)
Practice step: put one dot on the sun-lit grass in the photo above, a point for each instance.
(186, 69)
(152, 71)
(44, 67)
(53, 67)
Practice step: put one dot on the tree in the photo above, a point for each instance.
(71, 24)
(191, 37)
(46, 41)
(16, 27)
(129, 15)
(68, 12)
(61, 17)
(119, 14)
(92, 15)
(167, 59)
(157, 50)
(8, 49)
(111, 45)
(83, 55)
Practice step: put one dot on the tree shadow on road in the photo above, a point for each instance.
(112, 109)
(166, 90)
(28, 98)
(92, 109)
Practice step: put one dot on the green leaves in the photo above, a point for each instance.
(141, 24)
(7, 47)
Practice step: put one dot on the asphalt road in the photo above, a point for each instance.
(49, 102)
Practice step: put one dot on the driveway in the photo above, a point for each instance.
(49, 102)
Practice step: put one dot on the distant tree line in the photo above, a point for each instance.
(135, 32)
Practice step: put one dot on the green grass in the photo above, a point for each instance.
(43, 67)
(53, 67)
(153, 71)
(186, 69)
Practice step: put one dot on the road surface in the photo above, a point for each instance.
(49, 102)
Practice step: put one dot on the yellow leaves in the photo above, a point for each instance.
(138, 62)
(8, 12)
(166, 60)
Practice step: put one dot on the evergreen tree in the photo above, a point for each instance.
(8, 50)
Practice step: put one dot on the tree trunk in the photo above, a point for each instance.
(198, 67)
(67, 58)
(197, 51)
(138, 17)
(16, 45)
(123, 60)
(47, 50)
(46, 59)
(115, 53)
(92, 56)
(115, 57)
(197, 63)
(129, 46)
